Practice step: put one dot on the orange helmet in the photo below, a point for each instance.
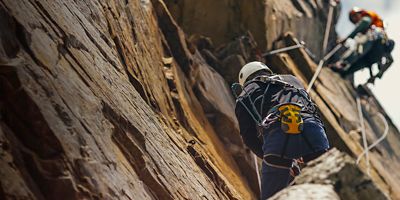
(353, 12)
(376, 19)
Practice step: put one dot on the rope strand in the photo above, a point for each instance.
(364, 137)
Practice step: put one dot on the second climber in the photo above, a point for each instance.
(372, 45)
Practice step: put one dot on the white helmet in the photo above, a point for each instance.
(249, 69)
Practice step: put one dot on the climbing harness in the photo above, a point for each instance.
(293, 165)
(288, 114)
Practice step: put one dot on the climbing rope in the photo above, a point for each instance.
(257, 170)
(365, 152)
(364, 137)
(380, 139)
(296, 46)
(332, 5)
(320, 64)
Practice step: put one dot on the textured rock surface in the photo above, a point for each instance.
(307, 191)
(98, 100)
(221, 20)
(339, 170)
(109, 99)
(266, 20)
(336, 100)
(332, 176)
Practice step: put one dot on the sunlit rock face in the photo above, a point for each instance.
(102, 100)
(266, 20)
(336, 99)
(113, 100)
(338, 177)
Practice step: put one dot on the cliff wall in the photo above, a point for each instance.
(113, 100)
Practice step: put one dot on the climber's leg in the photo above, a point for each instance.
(273, 180)
(366, 61)
(384, 67)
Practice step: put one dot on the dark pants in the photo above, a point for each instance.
(374, 51)
(275, 179)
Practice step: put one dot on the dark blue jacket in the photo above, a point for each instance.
(262, 142)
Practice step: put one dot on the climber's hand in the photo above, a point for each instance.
(342, 41)
(372, 80)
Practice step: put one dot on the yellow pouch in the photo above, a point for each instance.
(290, 118)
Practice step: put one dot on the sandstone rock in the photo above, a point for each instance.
(244, 45)
(229, 58)
(307, 191)
(220, 20)
(341, 172)
(334, 175)
(201, 42)
(110, 100)
(230, 67)
(266, 20)
(91, 108)
(336, 100)
(216, 103)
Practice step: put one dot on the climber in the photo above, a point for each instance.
(372, 45)
(279, 123)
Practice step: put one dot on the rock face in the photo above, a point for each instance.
(99, 100)
(267, 20)
(307, 191)
(336, 99)
(334, 175)
(110, 99)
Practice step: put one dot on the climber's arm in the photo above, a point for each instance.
(371, 74)
(361, 26)
(248, 130)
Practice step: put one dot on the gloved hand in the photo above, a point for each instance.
(295, 170)
(379, 75)
(372, 80)
(341, 41)
(337, 67)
